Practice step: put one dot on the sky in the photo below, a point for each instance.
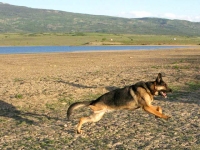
(170, 9)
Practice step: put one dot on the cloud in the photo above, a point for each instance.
(181, 17)
(135, 14)
(197, 18)
(169, 16)
(142, 14)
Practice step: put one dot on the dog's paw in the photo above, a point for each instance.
(79, 132)
(167, 117)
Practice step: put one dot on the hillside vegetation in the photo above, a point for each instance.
(46, 39)
(18, 19)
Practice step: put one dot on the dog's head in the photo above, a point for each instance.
(161, 87)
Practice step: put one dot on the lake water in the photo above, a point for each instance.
(55, 49)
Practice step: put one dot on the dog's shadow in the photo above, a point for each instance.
(76, 84)
(9, 111)
(111, 88)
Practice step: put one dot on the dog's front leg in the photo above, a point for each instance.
(157, 111)
(158, 108)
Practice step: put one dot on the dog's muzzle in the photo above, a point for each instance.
(164, 92)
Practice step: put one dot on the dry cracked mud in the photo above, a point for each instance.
(36, 90)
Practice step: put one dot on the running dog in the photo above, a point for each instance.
(139, 95)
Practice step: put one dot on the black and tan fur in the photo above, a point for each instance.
(139, 95)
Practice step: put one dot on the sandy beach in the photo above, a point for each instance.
(36, 90)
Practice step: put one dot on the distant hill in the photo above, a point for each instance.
(18, 19)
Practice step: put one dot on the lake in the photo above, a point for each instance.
(55, 49)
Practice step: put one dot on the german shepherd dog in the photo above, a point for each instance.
(139, 95)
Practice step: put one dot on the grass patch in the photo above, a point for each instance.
(155, 67)
(52, 106)
(66, 100)
(19, 96)
(180, 67)
(18, 80)
(62, 102)
(91, 96)
(176, 67)
(80, 38)
(46, 143)
(194, 85)
(183, 90)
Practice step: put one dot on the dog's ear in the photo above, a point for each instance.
(159, 78)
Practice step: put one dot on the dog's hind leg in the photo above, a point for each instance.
(96, 116)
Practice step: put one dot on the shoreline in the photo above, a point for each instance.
(162, 47)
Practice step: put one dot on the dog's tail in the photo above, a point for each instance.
(77, 105)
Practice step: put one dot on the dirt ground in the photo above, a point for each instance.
(36, 90)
